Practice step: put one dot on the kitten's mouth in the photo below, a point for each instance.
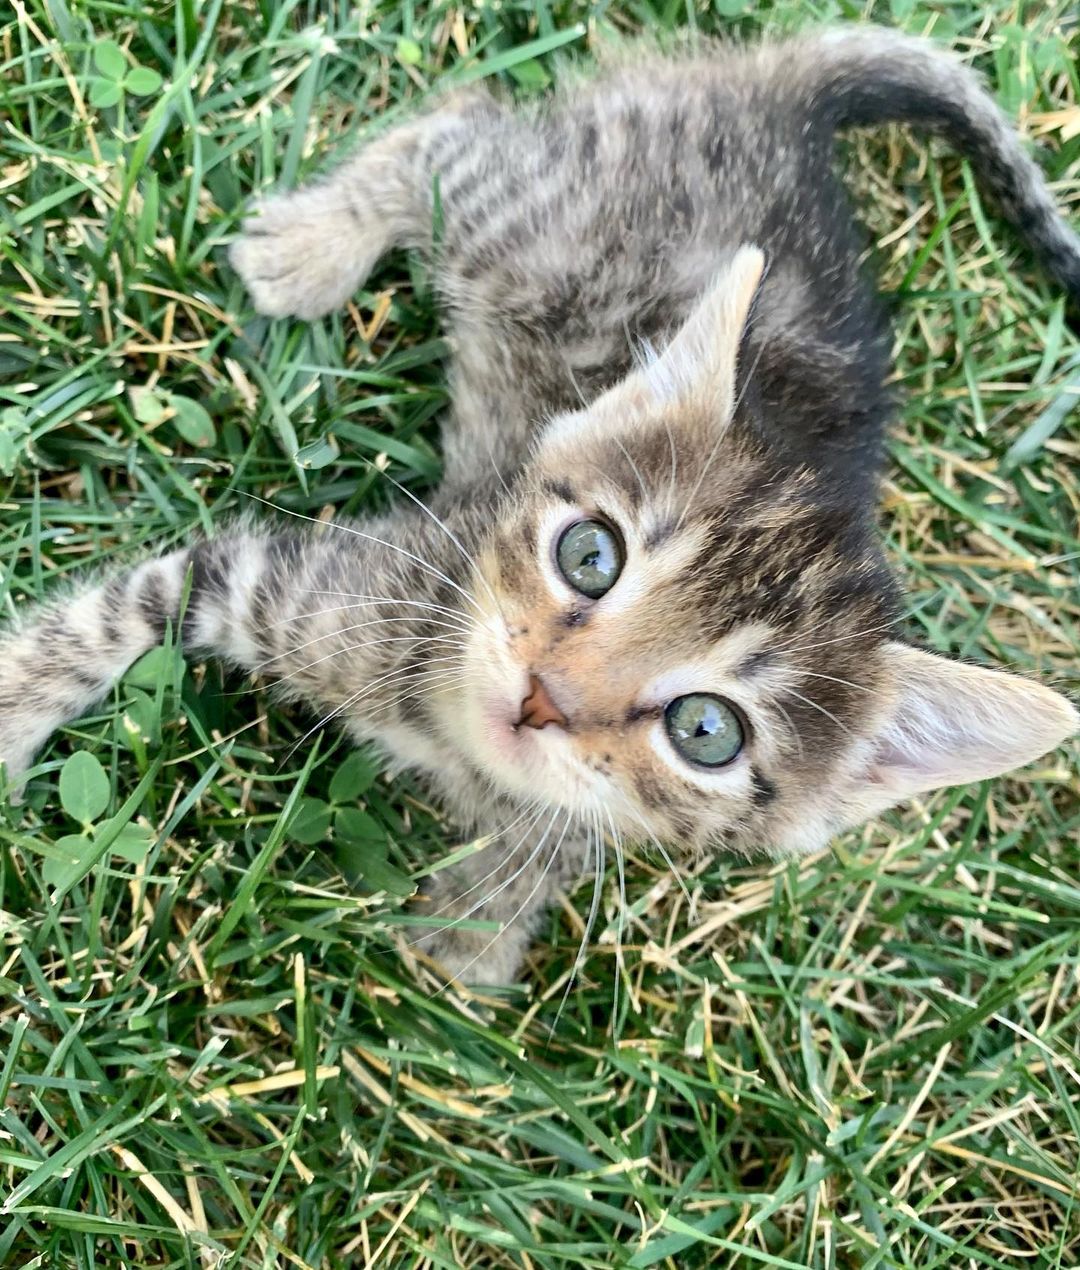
(515, 727)
(521, 740)
(511, 721)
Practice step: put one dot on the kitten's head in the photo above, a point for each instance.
(690, 633)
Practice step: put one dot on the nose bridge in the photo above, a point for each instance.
(594, 667)
(598, 674)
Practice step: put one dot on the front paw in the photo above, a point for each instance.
(303, 254)
(492, 955)
(476, 958)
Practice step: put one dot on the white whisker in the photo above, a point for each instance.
(820, 709)
(522, 906)
(620, 926)
(654, 841)
(476, 885)
(595, 845)
(390, 546)
(791, 725)
(357, 626)
(418, 640)
(433, 685)
(371, 643)
(386, 599)
(815, 674)
(495, 469)
(530, 805)
(465, 555)
(465, 624)
(340, 709)
(843, 639)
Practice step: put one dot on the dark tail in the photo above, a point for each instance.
(869, 75)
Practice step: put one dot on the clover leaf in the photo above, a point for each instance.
(115, 77)
(189, 417)
(84, 795)
(84, 787)
(359, 838)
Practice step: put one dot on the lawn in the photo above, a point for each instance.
(211, 1052)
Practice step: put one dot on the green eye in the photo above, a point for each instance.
(590, 557)
(704, 729)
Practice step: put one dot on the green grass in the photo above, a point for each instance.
(213, 1055)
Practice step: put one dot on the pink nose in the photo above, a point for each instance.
(538, 709)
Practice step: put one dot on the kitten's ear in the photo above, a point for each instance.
(699, 363)
(697, 367)
(952, 724)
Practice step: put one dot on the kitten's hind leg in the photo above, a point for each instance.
(304, 253)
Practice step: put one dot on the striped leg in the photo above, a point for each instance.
(64, 657)
(305, 252)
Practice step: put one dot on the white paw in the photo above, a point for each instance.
(474, 957)
(303, 254)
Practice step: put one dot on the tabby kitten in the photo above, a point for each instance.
(649, 599)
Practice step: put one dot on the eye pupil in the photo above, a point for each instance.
(590, 557)
(704, 729)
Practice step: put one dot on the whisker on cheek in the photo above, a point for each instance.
(338, 631)
(595, 856)
(651, 838)
(437, 685)
(426, 565)
(462, 620)
(349, 703)
(418, 641)
(461, 615)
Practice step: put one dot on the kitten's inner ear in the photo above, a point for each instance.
(698, 365)
(953, 724)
